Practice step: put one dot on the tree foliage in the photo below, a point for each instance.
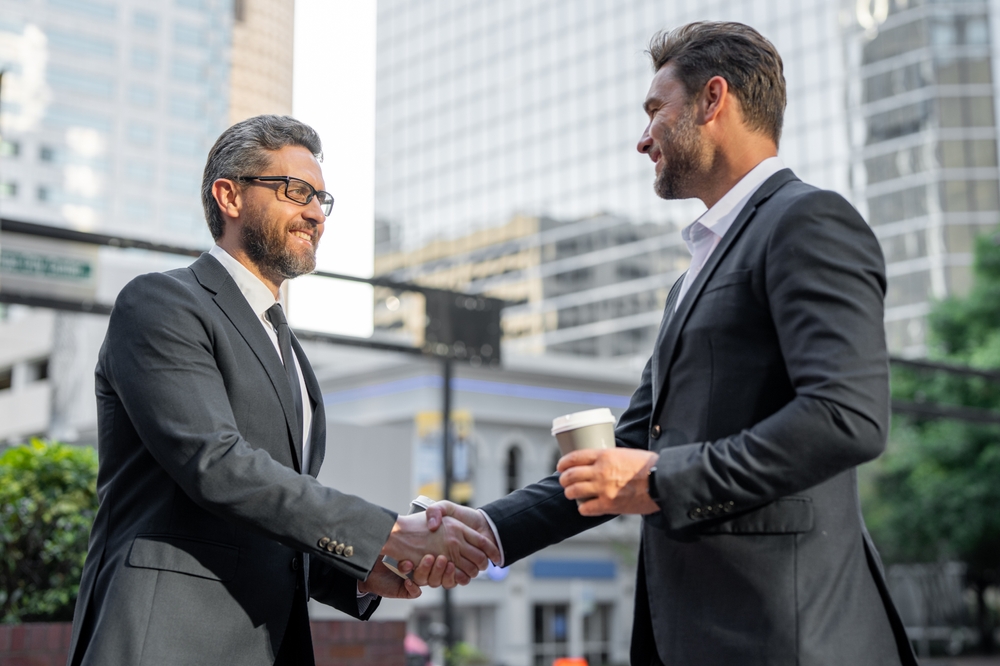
(48, 500)
(935, 495)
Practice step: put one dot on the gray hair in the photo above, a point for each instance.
(244, 150)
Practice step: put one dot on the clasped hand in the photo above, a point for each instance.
(447, 551)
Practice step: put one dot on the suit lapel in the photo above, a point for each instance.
(317, 433)
(674, 323)
(214, 277)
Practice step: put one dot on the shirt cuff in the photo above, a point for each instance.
(365, 600)
(496, 537)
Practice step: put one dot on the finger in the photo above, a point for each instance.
(437, 573)
(434, 515)
(594, 507)
(461, 578)
(411, 589)
(467, 566)
(422, 573)
(577, 474)
(579, 457)
(405, 567)
(449, 577)
(581, 491)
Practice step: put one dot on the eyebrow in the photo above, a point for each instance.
(649, 103)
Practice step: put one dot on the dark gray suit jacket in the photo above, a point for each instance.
(194, 555)
(766, 389)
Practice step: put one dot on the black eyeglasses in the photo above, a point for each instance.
(296, 190)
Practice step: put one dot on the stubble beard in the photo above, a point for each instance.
(267, 247)
(685, 160)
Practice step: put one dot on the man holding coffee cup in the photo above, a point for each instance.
(768, 385)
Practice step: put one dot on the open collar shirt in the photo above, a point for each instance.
(703, 235)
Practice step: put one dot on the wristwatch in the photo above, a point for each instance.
(654, 491)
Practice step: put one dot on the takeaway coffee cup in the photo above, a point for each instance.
(416, 506)
(592, 429)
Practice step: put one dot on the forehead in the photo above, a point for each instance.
(298, 162)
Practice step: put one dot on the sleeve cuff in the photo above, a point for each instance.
(496, 537)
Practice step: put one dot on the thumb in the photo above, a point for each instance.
(435, 515)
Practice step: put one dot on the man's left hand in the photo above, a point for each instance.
(385, 583)
(610, 480)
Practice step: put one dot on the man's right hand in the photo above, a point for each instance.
(434, 573)
(412, 538)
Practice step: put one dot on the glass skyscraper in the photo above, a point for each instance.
(922, 101)
(490, 109)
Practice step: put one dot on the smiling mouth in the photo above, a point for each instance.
(304, 235)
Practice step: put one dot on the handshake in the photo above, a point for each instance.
(447, 545)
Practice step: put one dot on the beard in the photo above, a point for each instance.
(685, 159)
(267, 246)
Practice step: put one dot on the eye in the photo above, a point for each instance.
(299, 190)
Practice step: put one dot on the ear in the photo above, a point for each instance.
(714, 98)
(228, 198)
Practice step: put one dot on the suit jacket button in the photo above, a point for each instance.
(323, 542)
(331, 546)
(695, 513)
(348, 551)
(295, 564)
(340, 549)
(655, 431)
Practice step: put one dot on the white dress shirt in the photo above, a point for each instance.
(703, 235)
(260, 298)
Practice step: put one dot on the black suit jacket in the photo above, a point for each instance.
(205, 512)
(767, 387)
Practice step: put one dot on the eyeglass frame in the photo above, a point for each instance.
(287, 181)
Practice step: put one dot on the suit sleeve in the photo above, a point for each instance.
(825, 282)
(159, 358)
(539, 515)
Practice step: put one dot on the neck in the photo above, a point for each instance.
(731, 163)
(237, 252)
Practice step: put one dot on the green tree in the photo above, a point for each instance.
(935, 494)
(48, 500)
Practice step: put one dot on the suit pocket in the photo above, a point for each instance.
(788, 515)
(194, 557)
(727, 280)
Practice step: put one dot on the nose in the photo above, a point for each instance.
(313, 213)
(645, 142)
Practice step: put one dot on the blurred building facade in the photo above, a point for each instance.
(486, 110)
(108, 110)
(922, 100)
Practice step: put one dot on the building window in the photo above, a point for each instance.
(47, 154)
(9, 148)
(6, 378)
(8, 190)
(144, 59)
(513, 469)
(550, 638)
(240, 10)
(597, 635)
(44, 193)
(37, 370)
(145, 21)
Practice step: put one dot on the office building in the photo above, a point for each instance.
(108, 110)
(922, 100)
(487, 111)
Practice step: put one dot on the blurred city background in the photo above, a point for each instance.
(492, 153)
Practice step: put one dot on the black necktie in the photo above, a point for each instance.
(277, 317)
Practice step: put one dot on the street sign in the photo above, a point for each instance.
(48, 267)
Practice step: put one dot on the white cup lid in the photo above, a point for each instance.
(582, 420)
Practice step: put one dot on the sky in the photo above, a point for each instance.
(334, 92)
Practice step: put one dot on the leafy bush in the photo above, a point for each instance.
(48, 500)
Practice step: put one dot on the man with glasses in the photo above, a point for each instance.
(212, 531)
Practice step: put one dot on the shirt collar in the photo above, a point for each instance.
(721, 216)
(257, 293)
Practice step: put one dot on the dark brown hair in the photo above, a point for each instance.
(742, 56)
